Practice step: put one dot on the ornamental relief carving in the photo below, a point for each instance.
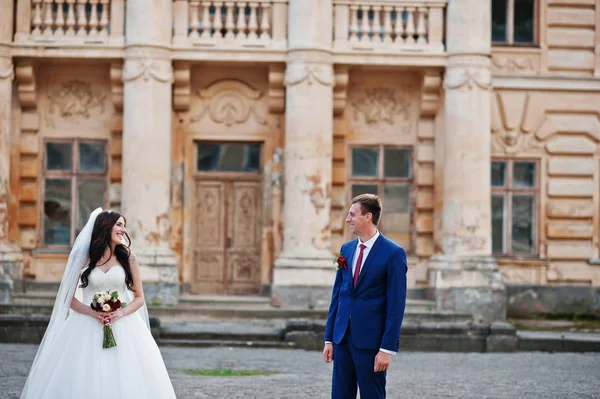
(75, 101)
(515, 63)
(298, 73)
(469, 78)
(159, 70)
(510, 133)
(229, 102)
(384, 105)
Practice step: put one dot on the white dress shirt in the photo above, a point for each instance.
(368, 245)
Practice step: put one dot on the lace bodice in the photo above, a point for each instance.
(112, 280)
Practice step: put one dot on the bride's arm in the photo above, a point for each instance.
(79, 307)
(138, 293)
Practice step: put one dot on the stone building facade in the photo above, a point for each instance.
(233, 134)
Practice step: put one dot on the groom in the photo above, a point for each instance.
(367, 305)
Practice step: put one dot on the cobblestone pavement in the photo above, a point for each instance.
(304, 375)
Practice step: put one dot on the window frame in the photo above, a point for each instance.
(229, 175)
(507, 191)
(510, 26)
(380, 181)
(73, 175)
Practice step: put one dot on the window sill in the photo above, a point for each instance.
(50, 251)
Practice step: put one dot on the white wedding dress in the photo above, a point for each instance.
(75, 366)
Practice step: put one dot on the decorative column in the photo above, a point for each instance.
(304, 272)
(10, 254)
(147, 78)
(465, 277)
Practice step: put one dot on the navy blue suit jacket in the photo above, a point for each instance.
(376, 305)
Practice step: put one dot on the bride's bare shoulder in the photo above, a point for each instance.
(132, 258)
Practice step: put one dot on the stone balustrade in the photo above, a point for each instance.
(389, 25)
(70, 21)
(228, 24)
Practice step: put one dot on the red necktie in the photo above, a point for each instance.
(358, 263)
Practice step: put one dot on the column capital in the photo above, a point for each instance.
(146, 69)
(311, 72)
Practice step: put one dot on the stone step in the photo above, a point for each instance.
(242, 312)
(188, 300)
(203, 343)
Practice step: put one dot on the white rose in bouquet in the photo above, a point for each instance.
(106, 307)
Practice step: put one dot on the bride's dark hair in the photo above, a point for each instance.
(101, 237)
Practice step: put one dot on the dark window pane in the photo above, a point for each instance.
(90, 194)
(57, 212)
(396, 163)
(396, 225)
(524, 174)
(498, 174)
(524, 23)
(92, 157)
(59, 156)
(358, 189)
(365, 161)
(230, 157)
(523, 219)
(499, 10)
(498, 224)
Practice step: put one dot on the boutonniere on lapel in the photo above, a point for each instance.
(340, 262)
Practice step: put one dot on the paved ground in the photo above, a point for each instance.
(303, 375)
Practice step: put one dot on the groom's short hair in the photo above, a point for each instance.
(369, 203)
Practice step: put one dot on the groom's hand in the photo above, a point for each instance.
(382, 361)
(328, 353)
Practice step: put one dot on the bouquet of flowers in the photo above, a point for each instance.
(106, 301)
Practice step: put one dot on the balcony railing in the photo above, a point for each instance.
(229, 24)
(70, 21)
(389, 26)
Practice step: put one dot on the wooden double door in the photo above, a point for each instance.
(227, 235)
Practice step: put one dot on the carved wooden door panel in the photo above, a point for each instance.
(210, 217)
(244, 237)
(227, 237)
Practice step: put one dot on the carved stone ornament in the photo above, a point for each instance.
(468, 78)
(509, 134)
(512, 63)
(381, 105)
(296, 74)
(146, 69)
(229, 102)
(75, 99)
(8, 73)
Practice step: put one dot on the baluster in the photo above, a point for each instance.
(253, 23)
(37, 18)
(399, 26)
(376, 25)
(218, 20)
(70, 18)
(229, 21)
(421, 27)
(241, 21)
(93, 23)
(353, 38)
(265, 25)
(60, 19)
(363, 11)
(104, 18)
(387, 24)
(410, 25)
(194, 21)
(48, 20)
(81, 18)
(206, 28)
(365, 25)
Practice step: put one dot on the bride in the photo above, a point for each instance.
(70, 362)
